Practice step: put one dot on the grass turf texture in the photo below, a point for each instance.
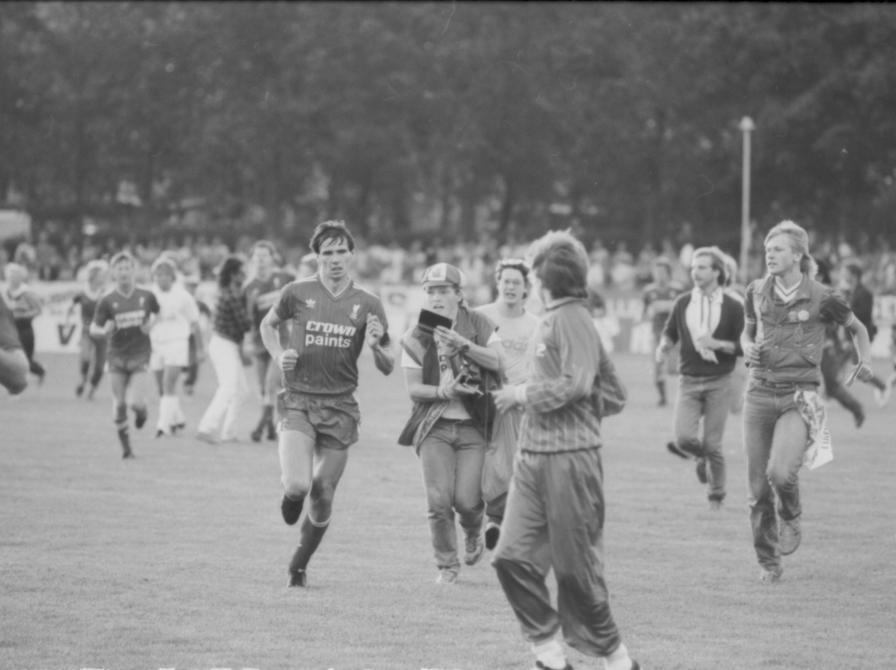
(178, 559)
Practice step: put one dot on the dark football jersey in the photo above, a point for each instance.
(9, 336)
(129, 312)
(261, 295)
(88, 305)
(653, 294)
(328, 333)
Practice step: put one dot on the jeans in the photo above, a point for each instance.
(709, 398)
(452, 455)
(775, 439)
(232, 389)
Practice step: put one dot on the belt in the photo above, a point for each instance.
(782, 385)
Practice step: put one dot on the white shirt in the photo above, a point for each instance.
(177, 312)
(702, 317)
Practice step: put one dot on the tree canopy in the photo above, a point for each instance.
(445, 116)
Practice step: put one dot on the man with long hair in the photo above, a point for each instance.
(786, 314)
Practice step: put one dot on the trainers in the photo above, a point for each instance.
(474, 547)
(208, 438)
(770, 575)
(541, 666)
(789, 535)
(859, 418)
(447, 576)
(178, 426)
(256, 434)
(492, 533)
(297, 578)
(272, 432)
(291, 509)
(126, 452)
(882, 396)
(701, 470)
(79, 389)
(140, 416)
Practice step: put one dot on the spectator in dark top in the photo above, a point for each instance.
(708, 323)
(231, 323)
(861, 302)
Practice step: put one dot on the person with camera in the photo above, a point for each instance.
(446, 368)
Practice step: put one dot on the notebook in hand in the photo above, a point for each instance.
(428, 320)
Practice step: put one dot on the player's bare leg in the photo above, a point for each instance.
(329, 464)
(296, 451)
(118, 382)
(136, 397)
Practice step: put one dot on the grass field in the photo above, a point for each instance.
(178, 559)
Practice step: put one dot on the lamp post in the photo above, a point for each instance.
(746, 127)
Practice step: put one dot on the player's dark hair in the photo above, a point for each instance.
(331, 230)
(229, 269)
(855, 270)
(561, 264)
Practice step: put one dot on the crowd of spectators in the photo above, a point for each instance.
(56, 253)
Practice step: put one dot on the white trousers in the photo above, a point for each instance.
(232, 390)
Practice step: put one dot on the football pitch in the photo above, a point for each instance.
(177, 559)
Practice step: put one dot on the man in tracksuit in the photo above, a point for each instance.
(708, 322)
(555, 508)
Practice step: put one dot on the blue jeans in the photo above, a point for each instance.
(775, 439)
(709, 398)
(452, 455)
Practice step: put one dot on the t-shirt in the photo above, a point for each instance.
(177, 312)
(9, 335)
(658, 303)
(88, 305)
(262, 294)
(129, 312)
(328, 333)
(515, 335)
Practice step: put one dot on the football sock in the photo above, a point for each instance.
(309, 539)
(550, 653)
(85, 368)
(661, 389)
(121, 425)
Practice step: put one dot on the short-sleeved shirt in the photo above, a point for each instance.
(177, 313)
(654, 293)
(262, 294)
(87, 303)
(9, 335)
(24, 303)
(129, 312)
(328, 333)
(516, 341)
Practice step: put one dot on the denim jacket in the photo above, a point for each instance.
(792, 335)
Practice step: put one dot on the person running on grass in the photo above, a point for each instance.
(330, 317)
(124, 317)
(13, 361)
(262, 291)
(26, 306)
(555, 508)
(786, 313)
(178, 319)
(708, 323)
(91, 350)
(515, 327)
(446, 428)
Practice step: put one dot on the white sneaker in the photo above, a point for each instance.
(447, 576)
